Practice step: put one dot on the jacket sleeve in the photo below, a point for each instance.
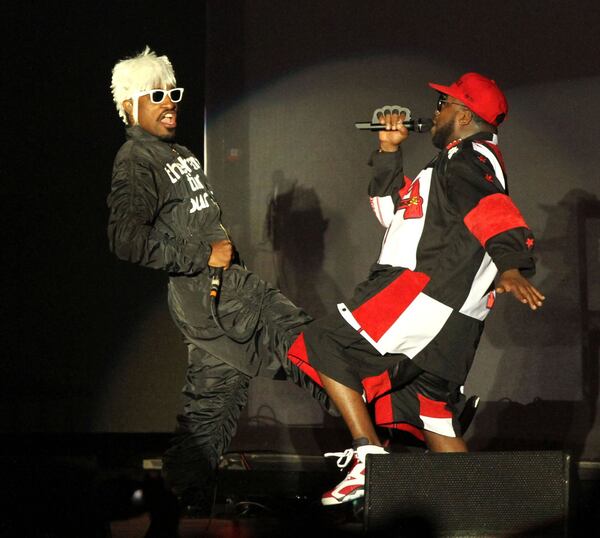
(388, 179)
(480, 197)
(132, 232)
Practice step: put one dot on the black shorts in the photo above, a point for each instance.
(403, 396)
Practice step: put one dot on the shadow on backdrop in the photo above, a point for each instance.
(293, 250)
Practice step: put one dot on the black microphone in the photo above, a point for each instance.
(422, 125)
(215, 284)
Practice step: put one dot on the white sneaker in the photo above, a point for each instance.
(353, 486)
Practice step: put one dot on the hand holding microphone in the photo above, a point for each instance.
(394, 123)
(220, 259)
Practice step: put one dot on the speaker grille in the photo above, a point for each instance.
(473, 494)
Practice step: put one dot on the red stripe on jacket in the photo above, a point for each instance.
(493, 214)
(379, 313)
(496, 151)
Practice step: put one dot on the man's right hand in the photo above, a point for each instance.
(222, 254)
(395, 132)
(512, 281)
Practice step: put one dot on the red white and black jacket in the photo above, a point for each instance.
(448, 233)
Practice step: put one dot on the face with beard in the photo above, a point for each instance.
(441, 133)
(443, 130)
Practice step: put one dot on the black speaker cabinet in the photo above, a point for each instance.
(499, 494)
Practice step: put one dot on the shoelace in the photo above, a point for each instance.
(344, 458)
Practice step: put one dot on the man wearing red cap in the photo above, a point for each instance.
(406, 340)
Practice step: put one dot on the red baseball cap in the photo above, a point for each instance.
(480, 94)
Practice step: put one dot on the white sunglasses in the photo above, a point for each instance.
(158, 96)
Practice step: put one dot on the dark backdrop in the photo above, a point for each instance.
(74, 306)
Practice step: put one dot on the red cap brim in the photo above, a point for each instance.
(439, 87)
(448, 90)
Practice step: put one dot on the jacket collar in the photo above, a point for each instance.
(139, 134)
(483, 136)
(490, 137)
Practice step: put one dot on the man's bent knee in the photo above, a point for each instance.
(442, 443)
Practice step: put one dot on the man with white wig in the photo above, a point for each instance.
(163, 215)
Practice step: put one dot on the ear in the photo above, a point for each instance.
(464, 117)
(128, 107)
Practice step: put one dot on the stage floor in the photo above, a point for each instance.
(79, 486)
(219, 527)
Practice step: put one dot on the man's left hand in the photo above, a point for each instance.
(524, 291)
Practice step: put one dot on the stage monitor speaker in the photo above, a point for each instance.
(468, 494)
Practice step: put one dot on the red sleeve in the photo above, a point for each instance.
(489, 213)
(493, 215)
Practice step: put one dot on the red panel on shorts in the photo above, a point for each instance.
(377, 314)
(433, 408)
(376, 385)
(384, 412)
(298, 355)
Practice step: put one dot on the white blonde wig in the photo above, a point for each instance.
(146, 71)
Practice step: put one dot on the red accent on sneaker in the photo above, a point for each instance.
(353, 486)
(350, 488)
